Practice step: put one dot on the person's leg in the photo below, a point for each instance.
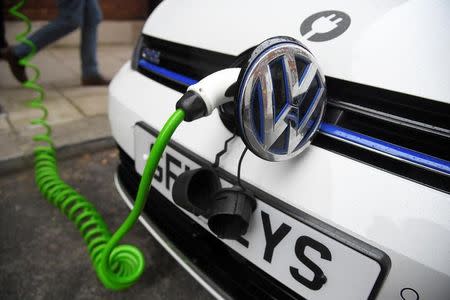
(70, 14)
(88, 50)
(70, 17)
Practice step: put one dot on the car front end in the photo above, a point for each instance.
(363, 212)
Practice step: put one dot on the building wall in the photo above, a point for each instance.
(112, 9)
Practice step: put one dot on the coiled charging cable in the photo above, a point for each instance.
(117, 266)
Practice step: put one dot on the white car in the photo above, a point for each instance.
(364, 210)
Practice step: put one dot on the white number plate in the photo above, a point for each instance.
(311, 263)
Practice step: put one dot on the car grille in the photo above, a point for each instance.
(402, 134)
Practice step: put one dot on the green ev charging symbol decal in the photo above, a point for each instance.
(325, 25)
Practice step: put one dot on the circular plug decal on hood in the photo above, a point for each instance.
(325, 25)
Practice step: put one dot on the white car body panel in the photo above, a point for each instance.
(408, 221)
(396, 45)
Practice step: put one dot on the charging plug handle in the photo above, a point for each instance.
(202, 98)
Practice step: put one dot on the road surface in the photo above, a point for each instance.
(42, 255)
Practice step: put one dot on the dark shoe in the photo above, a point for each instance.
(94, 80)
(16, 69)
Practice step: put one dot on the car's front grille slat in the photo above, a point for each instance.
(386, 117)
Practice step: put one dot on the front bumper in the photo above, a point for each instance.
(219, 269)
(408, 221)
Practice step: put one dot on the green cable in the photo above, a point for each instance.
(117, 266)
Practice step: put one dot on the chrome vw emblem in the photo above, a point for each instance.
(281, 99)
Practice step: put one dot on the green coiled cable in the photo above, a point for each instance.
(117, 266)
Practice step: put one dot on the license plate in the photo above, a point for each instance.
(314, 259)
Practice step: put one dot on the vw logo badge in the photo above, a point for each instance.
(281, 99)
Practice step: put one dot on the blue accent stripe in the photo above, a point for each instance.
(330, 129)
(261, 109)
(187, 81)
(388, 148)
(287, 92)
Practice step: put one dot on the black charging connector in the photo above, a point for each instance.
(193, 106)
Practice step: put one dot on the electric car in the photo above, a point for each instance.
(363, 211)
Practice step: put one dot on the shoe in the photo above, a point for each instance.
(16, 69)
(94, 80)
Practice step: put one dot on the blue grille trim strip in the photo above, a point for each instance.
(166, 73)
(387, 148)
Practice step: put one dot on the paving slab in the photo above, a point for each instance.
(77, 114)
(53, 69)
(9, 147)
(122, 52)
(89, 128)
(83, 91)
(110, 59)
(92, 105)
(110, 64)
(16, 150)
(67, 57)
(70, 133)
(20, 114)
(4, 124)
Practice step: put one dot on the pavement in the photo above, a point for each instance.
(42, 255)
(77, 114)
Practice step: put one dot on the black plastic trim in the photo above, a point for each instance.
(411, 107)
(391, 132)
(192, 62)
(164, 81)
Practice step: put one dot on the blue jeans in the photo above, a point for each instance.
(72, 14)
